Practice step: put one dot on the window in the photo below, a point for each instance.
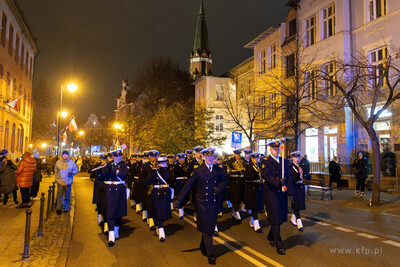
(219, 123)
(377, 8)
(26, 62)
(312, 84)
(10, 39)
(261, 108)
(329, 21)
(289, 61)
(272, 57)
(377, 59)
(292, 28)
(310, 31)
(249, 87)
(261, 62)
(329, 71)
(3, 29)
(22, 56)
(219, 92)
(6, 135)
(16, 48)
(13, 138)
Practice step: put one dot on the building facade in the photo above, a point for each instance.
(17, 55)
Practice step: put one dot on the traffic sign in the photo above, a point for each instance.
(237, 138)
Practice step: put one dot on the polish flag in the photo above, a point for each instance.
(72, 126)
(64, 136)
(14, 103)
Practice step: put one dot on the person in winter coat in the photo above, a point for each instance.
(37, 177)
(335, 173)
(7, 176)
(360, 165)
(64, 172)
(24, 176)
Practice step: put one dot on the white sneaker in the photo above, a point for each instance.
(293, 219)
(100, 218)
(257, 226)
(137, 208)
(111, 238)
(161, 234)
(181, 213)
(300, 225)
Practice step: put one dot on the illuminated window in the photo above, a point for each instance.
(311, 30)
(272, 57)
(10, 39)
(377, 59)
(3, 29)
(329, 21)
(290, 65)
(219, 123)
(377, 8)
(261, 62)
(329, 72)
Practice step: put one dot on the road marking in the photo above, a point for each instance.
(393, 243)
(84, 178)
(322, 223)
(347, 230)
(237, 250)
(368, 235)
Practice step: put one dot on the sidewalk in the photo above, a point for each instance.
(49, 250)
(353, 212)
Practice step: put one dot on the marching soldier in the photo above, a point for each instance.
(180, 174)
(189, 155)
(96, 175)
(194, 164)
(171, 166)
(115, 174)
(296, 190)
(210, 181)
(275, 197)
(129, 181)
(254, 191)
(137, 186)
(146, 171)
(160, 195)
(236, 183)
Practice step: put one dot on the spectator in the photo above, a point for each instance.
(37, 177)
(360, 165)
(64, 172)
(79, 163)
(335, 173)
(7, 175)
(24, 176)
(305, 166)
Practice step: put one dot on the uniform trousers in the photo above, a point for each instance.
(159, 223)
(275, 235)
(295, 212)
(254, 215)
(113, 222)
(206, 244)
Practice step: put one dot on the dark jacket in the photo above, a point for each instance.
(209, 186)
(360, 166)
(334, 171)
(7, 177)
(296, 188)
(38, 173)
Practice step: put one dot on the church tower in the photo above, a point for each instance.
(200, 57)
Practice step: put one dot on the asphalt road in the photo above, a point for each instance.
(237, 245)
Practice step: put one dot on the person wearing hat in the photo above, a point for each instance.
(209, 181)
(129, 181)
(236, 183)
(296, 190)
(115, 174)
(24, 177)
(37, 177)
(64, 172)
(189, 155)
(275, 195)
(160, 195)
(144, 174)
(99, 198)
(171, 166)
(360, 166)
(180, 174)
(7, 174)
(137, 186)
(193, 165)
(253, 195)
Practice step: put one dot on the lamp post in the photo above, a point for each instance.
(117, 127)
(44, 145)
(72, 88)
(81, 134)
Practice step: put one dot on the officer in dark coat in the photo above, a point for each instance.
(160, 195)
(275, 196)
(180, 174)
(115, 174)
(195, 163)
(211, 181)
(236, 183)
(296, 190)
(130, 179)
(96, 175)
(137, 187)
(253, 190)
(144, 174)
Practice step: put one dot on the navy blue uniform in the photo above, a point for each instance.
(236, 181)
(192, 166)
(253, 194)
(181, 176)
(99, 197)
(296, 189)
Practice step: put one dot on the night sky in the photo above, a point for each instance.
(98, 43)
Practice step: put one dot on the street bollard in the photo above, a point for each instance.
(52, 196)
(26, 256)
(40, 232)
(48, 203)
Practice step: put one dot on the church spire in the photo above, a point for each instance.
(200, 58)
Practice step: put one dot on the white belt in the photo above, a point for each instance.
(237, 175)
(136, 177)
(181, 178)
(161, 186)
(114, 182)
(253, 181)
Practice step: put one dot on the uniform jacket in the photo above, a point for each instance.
(192, 165)
(253, 191)
(296, 188)
(26, 170)
(7, 177)
(209, 186)
(61, 170)
(275, 199)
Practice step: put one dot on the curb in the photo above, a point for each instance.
(63, 257)
(320, 219)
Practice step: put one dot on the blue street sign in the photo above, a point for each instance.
(237, 138)
(95, 149)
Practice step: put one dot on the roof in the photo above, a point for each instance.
(201, 37)
(261, 37)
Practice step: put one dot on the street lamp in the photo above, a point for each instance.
(81, 133)
(71, 88)
(44, 145)
(117, 127)
(64, 113)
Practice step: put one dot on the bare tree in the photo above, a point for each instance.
(368, 86)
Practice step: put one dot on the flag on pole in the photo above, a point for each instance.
(64, 136)
(72, 126)
(14, 103)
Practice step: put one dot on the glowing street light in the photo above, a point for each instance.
(72, 87)
(64, 113)
(44, 145)
(117, 126)
(81, 133)
(30, 145)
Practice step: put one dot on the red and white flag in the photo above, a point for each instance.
(14, 103)
(64, 136)
(72, 126)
